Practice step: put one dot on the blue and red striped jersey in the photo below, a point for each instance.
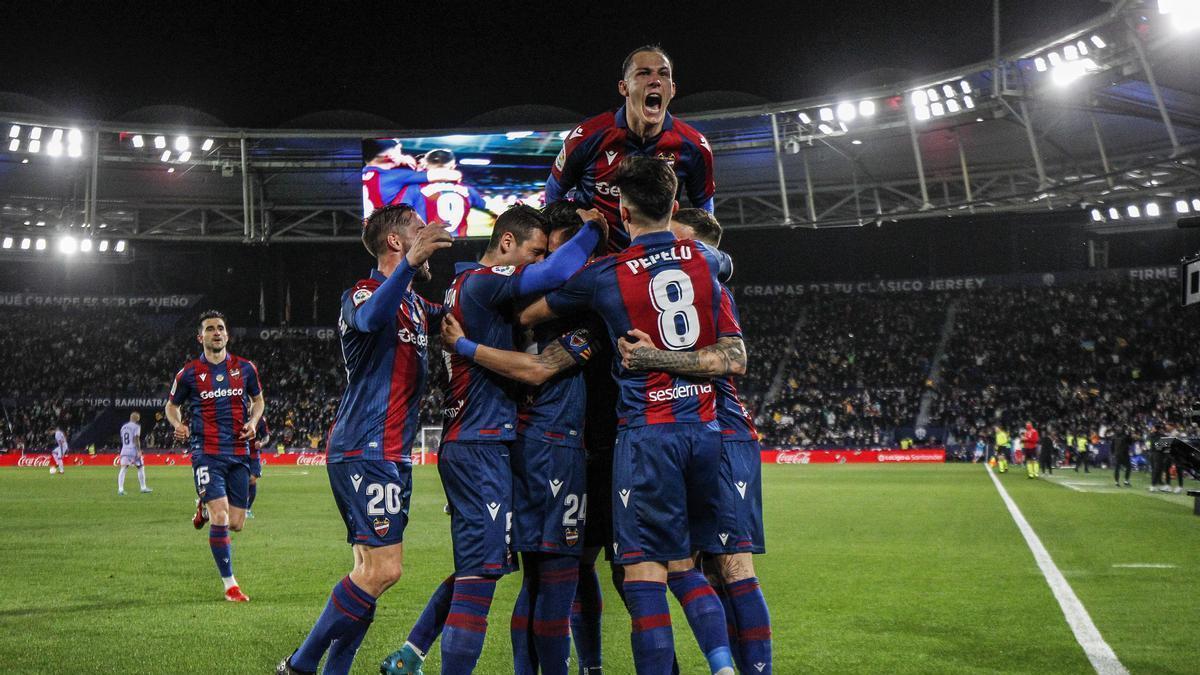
(219, 395)
(555, 411)
(386, 372)
(383, 186)
(736, 423)
(262, 436)
(667, 288)
(479, 404)
(449, 203)
(593, 150)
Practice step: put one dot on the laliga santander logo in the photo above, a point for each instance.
(36, 460)
(311, 459)
(792, 458)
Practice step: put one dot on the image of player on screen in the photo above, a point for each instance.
(443, 200)
(387, 171)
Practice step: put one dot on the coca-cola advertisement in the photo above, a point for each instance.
(854, 456)
(177, 458)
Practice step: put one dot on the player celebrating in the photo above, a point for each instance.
(480, 426)
(59, 451)
(741, 463)
(592, 151)
(131, 453)
(226, 401)
(668, 453)
(389, 171)
(384, 328)
(262, 436)
(447, 201)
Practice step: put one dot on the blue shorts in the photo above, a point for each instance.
(664, 504)
(478, 482)
(256, 466)
(372, 495)
(219, 476)
(549, 497)
(741, 496)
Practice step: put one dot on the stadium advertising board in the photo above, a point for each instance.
(855, 456)
(468, 179)
(105, 301)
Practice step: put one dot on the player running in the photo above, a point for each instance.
(741, 463)
(59, 451)
(384, 329)
(668, 452)
(226, 400)
(262, 436)
(480, 427)
(131, 453)
(447, 201)
(592, 152)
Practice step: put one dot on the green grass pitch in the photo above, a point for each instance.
(897, 569)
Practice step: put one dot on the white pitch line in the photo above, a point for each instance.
(1147, 566)
(1102, 657)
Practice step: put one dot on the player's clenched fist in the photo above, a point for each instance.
(428, 240)
(633, 341)
(451, 331)
(593, 215)
(182, 433)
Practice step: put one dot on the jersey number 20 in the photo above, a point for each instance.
(672, 294)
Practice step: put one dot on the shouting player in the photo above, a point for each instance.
(226, 400)
(447, 201)
(480, 427)
(131, 453)
(384, 329)
(59, 451)
(668, 451)
(741, 463)
(642, 127)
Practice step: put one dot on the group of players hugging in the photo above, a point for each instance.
(591, 406)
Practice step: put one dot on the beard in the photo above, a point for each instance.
(423, 273)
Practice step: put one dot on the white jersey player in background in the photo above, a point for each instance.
(59, 451)
(131, 453)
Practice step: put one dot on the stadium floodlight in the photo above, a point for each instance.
(1082, 47)
(1185, 14)
(1097, 216)
(1153, 210)
(846, 112)
(206, 145)
(1040, 64)
(933, 94)
(74, 150)
(8, 242)
(14, 131)
(185, 155)
(824, 128)
(514, 135)
(922, 112)
(54, 148)
(74, 136)
(969, 102)
(182, 143)
(938, 109)
(856, 142)
(85, 245)
(35, 134)
(160, 142)
(25, 243)
(475, 161)
(1133, 211)
(919, 98)
(1196, 205)
(1069, 71)
(103, 245)
(67, 245)
(40, 244)
(826, 114)
(138, 141)
(35, 146)
(14, 145)
(952, 105)
(1181, 206)
(1114, 214)
(171, 169)
(1099, 42)
(1071, 52)
(56, 136)
(948, 91)
(166, 156)
(866, 108)
(120, 247)
(1055, 59)
(804, 118)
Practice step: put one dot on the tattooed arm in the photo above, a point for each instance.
(726, 357)
(526, 368)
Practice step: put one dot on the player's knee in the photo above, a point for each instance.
(736, 567)
(236, 525)
(386, 573)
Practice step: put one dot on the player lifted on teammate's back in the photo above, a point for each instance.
(226, 400)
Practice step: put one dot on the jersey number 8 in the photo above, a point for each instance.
(678, 320)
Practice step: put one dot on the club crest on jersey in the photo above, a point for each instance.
(578, 340)
(381, 526)
(360, 296)
(236, 372)
(668, 157)
(571, 535)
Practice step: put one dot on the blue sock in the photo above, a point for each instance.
(586, 613)
(433, 617)
(524, 659)
(652, 639)
(731, 629)
(704, 614)
(466, 625)
(557, 576)
(753, 621)
(253, 494)
(343, 649)
(347, 615)
(222, 550)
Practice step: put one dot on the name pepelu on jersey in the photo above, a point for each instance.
(480, 405)
(219, 396)
(386, 375)
(555, 412)
(668, 289)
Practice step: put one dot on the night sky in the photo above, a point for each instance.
(438, 64)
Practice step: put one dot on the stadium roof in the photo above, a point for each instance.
(1069, 124)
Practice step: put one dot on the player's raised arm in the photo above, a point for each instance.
(726, 357)
(532, 369)
(377, 310)
(566, 260)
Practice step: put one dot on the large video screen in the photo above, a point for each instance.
(461, 180)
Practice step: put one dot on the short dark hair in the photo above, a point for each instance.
(707, 229)
(648, 184)
(382, 222)
(564, 215)
(440, 157)
(654, 47)
(521, 220)
(210, 314)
